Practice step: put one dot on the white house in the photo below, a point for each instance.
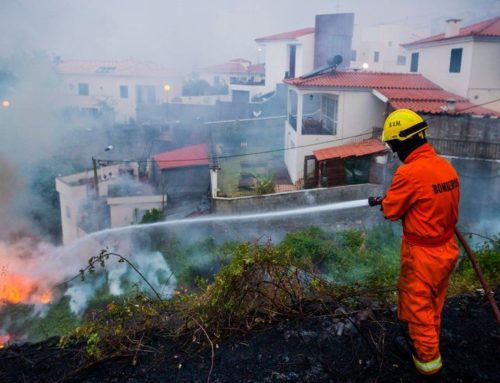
(464, 61)
(121, 197)
(243, 79)
(122, 200)
(122, 85)
(342, 107)
(377, 47)
(288, 54)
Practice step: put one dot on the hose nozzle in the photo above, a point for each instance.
(375, 201)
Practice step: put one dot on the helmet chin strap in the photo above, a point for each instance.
(405, 148)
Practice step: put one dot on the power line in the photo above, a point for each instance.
(240, 154)
(272, 150)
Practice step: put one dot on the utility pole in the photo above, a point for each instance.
(96, 180)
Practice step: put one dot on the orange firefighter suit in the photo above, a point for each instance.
(424, 193)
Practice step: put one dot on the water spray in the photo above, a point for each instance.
(237, 217)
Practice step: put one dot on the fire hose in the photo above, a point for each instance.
(488, 292)
(375, 201)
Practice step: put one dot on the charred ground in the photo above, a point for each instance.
(306, 349)
(272, 313)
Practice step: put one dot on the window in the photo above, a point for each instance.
(83, 89)
(401, 60)
(123, 91)
(389, 43)
(329, 114)
(105, 69)
(353, 55)
(414, 62)
(456, 60)
(376, 56)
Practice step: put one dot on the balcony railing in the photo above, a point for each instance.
(312, 125)
(238, 81)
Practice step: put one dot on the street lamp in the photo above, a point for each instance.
(94, 165)
(259, 50)
(167, 88)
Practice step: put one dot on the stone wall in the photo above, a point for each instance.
(465, 136)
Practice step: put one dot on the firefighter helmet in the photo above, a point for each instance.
(403, 124)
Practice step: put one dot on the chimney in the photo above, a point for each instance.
(452, 27)
(451, 105)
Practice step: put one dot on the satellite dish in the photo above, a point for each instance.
(330, 68)
(335, 60)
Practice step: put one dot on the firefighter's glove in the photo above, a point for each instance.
(375, 201)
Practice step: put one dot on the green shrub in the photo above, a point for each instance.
(264, 184)
(260, 283)
(488, 256)
(151, 216)
(312, 243)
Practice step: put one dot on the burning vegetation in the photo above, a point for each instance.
(326, 298)
(18, 288)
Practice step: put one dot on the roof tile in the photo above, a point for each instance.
(362, 148)
(194, 155)
(432, 101)
(130, 67)
(403, 90)
(490, 27)
(292, 35)
(366, 80)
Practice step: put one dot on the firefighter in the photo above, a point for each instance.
(424, 194)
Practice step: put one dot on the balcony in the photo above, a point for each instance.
(311, 125)
(243, 81)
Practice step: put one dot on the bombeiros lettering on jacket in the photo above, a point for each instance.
(445, 186)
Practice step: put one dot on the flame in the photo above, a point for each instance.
(17, 288)
(4, 339)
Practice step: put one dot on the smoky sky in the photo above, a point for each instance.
(190, 33)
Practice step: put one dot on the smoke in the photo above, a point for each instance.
(93, 29)
(80, 294)
(38, 143)
(27, 274)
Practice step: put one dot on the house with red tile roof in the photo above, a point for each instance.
(122, 196)
(462, 60)
(287, 54)
(376, 47)
(344, 107)
(119, 85)
(240, 77)
(182, 173)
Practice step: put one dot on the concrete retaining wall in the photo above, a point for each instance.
(295, 199)
(276, 226)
